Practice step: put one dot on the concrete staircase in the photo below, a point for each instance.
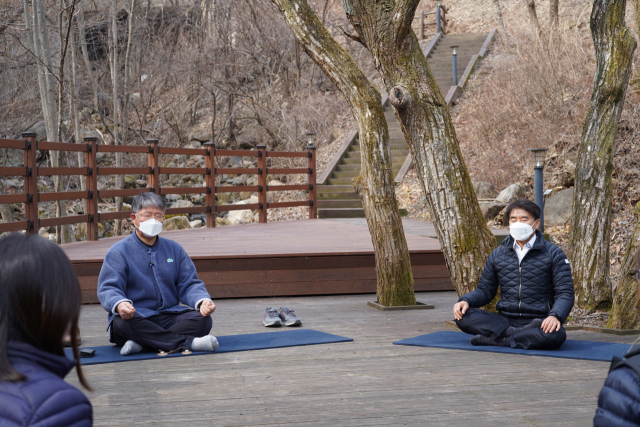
(336, 198)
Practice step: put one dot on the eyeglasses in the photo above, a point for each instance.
(145, 216)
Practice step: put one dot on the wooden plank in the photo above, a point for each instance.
(184, 151)
(193, 209)
(65, 220)
(13, 198)
(183, 171)
(106, 216)
(13, 171)
(13, 226)
(288, 171)
(183, 190)
(240, 153)
(65, 195)
(122, 149)
(122, 171)
(122, 193)
(47, 171)
(285, 154)
(61, 146)
(236, 171)
(12, 143)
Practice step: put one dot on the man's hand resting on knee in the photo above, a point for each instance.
(126, 310)
(207, 308)
(460, 308)
(551, 324)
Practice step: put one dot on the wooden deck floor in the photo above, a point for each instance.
(309, 257)
(368, 382)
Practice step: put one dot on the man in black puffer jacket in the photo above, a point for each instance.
(619, 401)
(536, 289)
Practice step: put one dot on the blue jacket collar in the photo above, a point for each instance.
(20, 352)
(140, 243)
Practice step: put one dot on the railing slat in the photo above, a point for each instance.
(285, 171)
(6, 227)
(122, 149)
(287, 154)
(123, 171)
(12, 143)
(13, 198)
(13, 171)
(68, 195)
(238, 189)
(105, 216)
(240, 153)
(122, 193)
(47, 171)
(193, 209)
(61, 146)
(183, 190)
(187, 151)
(183, 171)
(287, 204)
(287, 187)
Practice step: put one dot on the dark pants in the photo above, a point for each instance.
(166, 331)
(481, 322)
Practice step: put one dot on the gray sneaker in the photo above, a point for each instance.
(271, 317)
(288, 317)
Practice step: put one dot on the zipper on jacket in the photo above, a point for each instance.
(520, 290)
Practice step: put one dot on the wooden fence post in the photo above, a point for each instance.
(154, 165)
(91, 181)
(31, 182)
(262, 183)
(210, 178)
(313, 191)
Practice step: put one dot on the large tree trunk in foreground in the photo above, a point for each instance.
(466, 241)
(591, 220)
(374, 184)
(625, 313)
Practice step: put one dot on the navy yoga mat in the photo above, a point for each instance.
(229, 343)
(571, 349)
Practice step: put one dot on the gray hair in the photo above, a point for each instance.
(145, 200)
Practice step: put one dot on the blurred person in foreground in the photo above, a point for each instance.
(39, 301)
(143, 280)
(619, 400)
(536, 289)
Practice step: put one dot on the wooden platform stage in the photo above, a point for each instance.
(308, 257)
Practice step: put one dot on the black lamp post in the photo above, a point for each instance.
(539, 155)
(454, 55)
(311, 136)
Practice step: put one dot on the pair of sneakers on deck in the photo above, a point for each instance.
(280, 317)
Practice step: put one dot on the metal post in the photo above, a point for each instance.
(538, 184)
(262, 183)
(455, 64)
(438, 18)
(90, 160)
(31, 182)
(153, 163)
(210, 164)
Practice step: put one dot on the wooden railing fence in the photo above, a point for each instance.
(31, 196)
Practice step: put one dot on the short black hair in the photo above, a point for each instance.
(145, 200)
(525, 204)
(39, 299)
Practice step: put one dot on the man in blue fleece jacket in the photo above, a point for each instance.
(143, 280)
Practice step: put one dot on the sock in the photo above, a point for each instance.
(206, 343)
(130, 347)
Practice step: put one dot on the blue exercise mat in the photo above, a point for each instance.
(229, 343)
(571, 349)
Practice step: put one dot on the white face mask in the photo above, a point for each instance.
(150, 227)
(520, 231)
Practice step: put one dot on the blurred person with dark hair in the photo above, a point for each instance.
(143, 280)
(536, 289)
(39, 301)
(619, 400)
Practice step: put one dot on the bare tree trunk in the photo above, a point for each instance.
(591, 221)
(425, 119)
(73, 110)
(533, 16)
(625, 313)
(374, 184)
(496, 4)
(553, 14)
(116, 103)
